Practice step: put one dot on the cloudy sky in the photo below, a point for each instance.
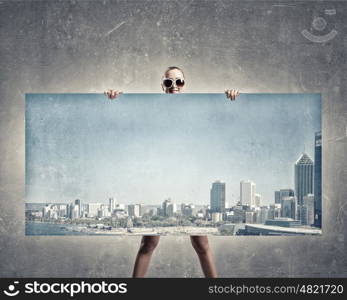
(143, 148)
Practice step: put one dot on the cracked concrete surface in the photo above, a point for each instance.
(90, 46)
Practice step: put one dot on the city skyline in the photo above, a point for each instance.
(62, 162)
(295, 210)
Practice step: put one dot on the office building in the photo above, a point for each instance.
(134, 210)
(250, 217)
(257, 200)
(217, 217)
(303, 177)
(289, 207)
(217, 197)
(247, 192)
(93, 209)
(79, 207)
(166, 203)
(187, 209)
(171, 209)
(111, 204)
(318, 180)
(307, 210)
(277, 197)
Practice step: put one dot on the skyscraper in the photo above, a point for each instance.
(166, 203)
(318, 180)
(303, 177)
(257, 200)
(277, 197)
(289, 207)
(75, 212)
(171, 209)
(134, 210)
(217, 197)
(286, 193)
(78, 209)
(187, 209)
(216, 217)
(274, 211)
(69, 209)
(111, 204)
(93, 209)
(263, 214)
(307, 210)
(250, 217)
(247, 192)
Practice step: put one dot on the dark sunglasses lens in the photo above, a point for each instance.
(167, 83)
(180, 82)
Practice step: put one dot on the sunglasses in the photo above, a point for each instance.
(168, 82)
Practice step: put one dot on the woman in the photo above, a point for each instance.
(173, 82)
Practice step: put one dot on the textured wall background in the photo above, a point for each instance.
(89, 46)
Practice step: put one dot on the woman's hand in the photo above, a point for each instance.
(232, 94)
(112, 94)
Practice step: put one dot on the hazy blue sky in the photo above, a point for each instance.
(143, 148)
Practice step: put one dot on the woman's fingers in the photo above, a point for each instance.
(109, 94)
(232, 94)
(112, 94)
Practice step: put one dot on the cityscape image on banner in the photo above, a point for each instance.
(253, 167)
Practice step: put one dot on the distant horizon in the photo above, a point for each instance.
(84, 146)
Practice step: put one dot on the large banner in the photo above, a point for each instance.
(181, 164)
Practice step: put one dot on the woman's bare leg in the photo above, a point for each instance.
(148, 244)
(203, 250)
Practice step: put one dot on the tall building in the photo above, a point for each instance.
(62, 211)
(119, 206)
(277, 197)
(217, 197)
(84, 210)
(257, 200)
(93, 209)
(111, 204)
(75, 212)
(263, 215)
(286, 193)
(78, 209)
(46, 211)
(318, 180)
(274, 211)
(166, 203)
(171, 209)
(216, 217)
(303, 177)
(250, 217)
(134, 210)
(307, 210)
(247, 192)
(187, 209)
(103, 211)
(289, 207)
(160, 211)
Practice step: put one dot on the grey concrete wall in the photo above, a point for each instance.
(89, 46)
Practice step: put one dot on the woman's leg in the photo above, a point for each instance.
(203, 250)
(148, 244)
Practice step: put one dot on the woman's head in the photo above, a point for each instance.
(173, 80)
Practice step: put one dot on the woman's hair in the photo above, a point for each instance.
(174, 68)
